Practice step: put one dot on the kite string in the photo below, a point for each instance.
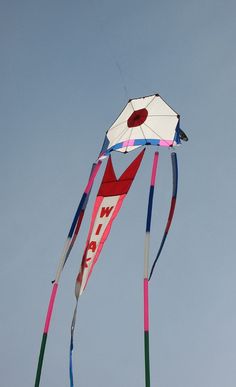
(174, 163)
(145, 279)
(122, 79)
(117, 63)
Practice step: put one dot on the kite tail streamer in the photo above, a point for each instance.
(72, 344)
(172, 208)
(145, 280)
(73, 232)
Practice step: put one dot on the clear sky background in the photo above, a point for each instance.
(67, 68)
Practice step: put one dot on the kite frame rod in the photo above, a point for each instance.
(146, 270)
(174, 163)
(72, 235)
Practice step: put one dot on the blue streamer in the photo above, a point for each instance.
(172, 208)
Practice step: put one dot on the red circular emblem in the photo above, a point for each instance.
(137, 118)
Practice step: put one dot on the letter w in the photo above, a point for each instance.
(105, 211)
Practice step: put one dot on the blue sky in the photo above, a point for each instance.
(67, 69)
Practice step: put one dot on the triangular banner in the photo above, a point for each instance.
(108, 202)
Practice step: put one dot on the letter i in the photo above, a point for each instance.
(98, 229)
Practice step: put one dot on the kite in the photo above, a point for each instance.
(144, 121)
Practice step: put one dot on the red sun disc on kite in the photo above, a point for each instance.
(137, 118)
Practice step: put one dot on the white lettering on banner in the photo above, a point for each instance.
(103, 218)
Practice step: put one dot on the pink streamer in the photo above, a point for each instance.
(146, 313)
(154, 169)
(92, 177)
(50, 307)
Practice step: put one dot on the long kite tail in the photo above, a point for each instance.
(145, 279)
(172, 208)
(73, 232)
(72, 344)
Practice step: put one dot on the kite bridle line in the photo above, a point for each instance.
(72, 235)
